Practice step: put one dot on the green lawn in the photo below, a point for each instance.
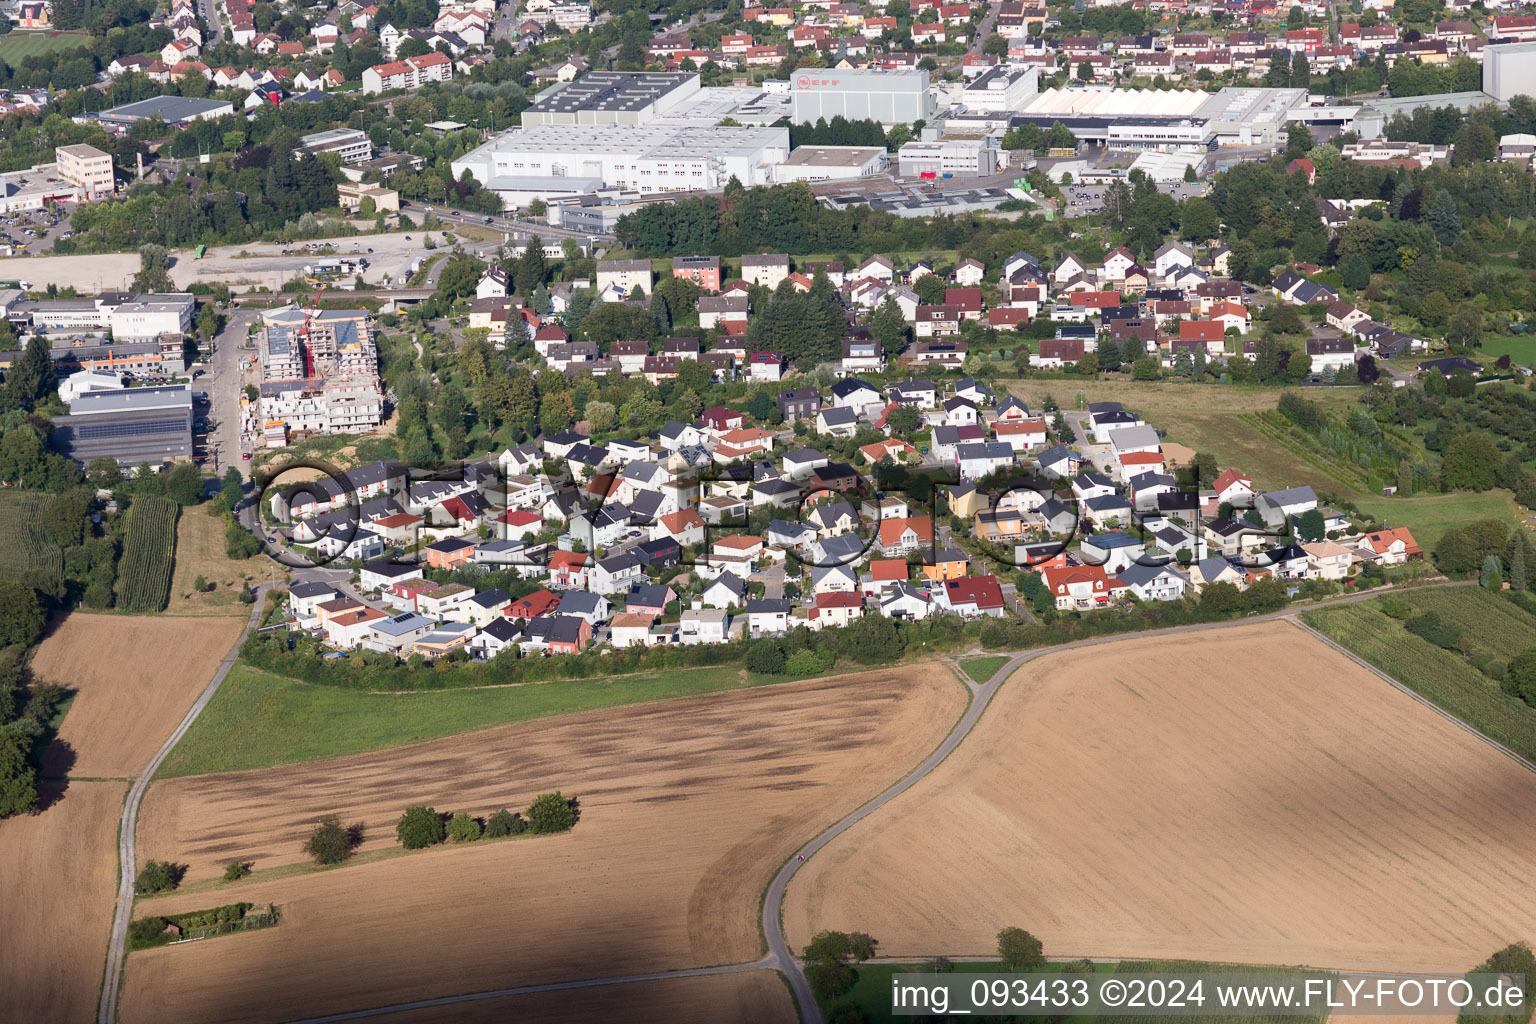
(1443, 677)
(258, 719)
(16, 45)
(1521, 351)
(1431, 515)
(982, 669)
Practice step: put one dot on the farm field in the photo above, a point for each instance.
(60, 877)
(1246, 795)
(1204, 418)
(1429, 516)
(1443, 677)
(23, 545)
(687, 808)
(259, 720)
(134, 677)
(19, 44)
(750, 997)
(149, 547)
(200, 552)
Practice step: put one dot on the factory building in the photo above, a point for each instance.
(832, 163)
(890, 97)
(612, 97)
(1509, 70)
(957, 157)
(133, 425)
(1001, 88)
(1171, 121)
(647, 159)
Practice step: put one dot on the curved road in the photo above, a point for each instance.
(126, 852)
(780, 958)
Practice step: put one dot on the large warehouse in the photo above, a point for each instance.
(1509, 70)
(651, 158)
(1167, 121)
(890, 97)
(611, 97)
(134, 425)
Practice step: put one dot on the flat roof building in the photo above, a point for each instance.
(88, 169)
(350, 144)
(134, 425)
(611, 97)
(646, 158)
(890, 97)
(832, 163)
(173, 110)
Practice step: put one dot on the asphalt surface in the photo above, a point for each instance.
(223, 382)
(127, 852)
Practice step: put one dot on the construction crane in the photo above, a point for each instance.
(309, 350)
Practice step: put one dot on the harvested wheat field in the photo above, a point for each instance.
(57, 888)
(1243, 794)
(135, 678)
(751, 997)
(687, 808)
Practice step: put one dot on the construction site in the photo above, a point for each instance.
(319, 375)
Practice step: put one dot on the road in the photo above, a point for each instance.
(214, 20)
(985, 29)
(780, 958)
(127, 853)
(507, 225)
(224, 382)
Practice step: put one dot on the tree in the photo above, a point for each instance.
(1492, 575)
(551, 812)
(157, 876)
(1355, 272)
(154, 270)
(329, 842)
(1517, 566)
(1085, 71)
(21, 614)
(1466, 327)
(1520, 680)
(1310, 525)
(1145, 368)
(504, 823)
(419, 827)
(236, 870)
(231, 488)
(1471, 462)
(463, 828)
(1019, 951)
(18, 779)
(32, 378)
(531, 269)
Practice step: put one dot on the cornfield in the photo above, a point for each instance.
(23, 545)
(149, 548)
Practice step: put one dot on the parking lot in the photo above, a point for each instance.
(1088, 200)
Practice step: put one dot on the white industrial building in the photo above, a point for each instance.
(890, 97)
(1000, 88)
(611, 97)
(650, 158)
(1509, 70)
(961, 157)
(1177, 120)
(150, 316)
(832, 163)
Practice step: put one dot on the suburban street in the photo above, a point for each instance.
(223, 382)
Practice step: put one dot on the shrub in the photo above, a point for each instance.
(1434, 628)
(236, 870)
(765, 657)
(158, 876)
(504, 823)
(147, 931)
(804, 663)
(329, 843)
(1396, 608)
(463, 828)
(551, 812)
(419, 827)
